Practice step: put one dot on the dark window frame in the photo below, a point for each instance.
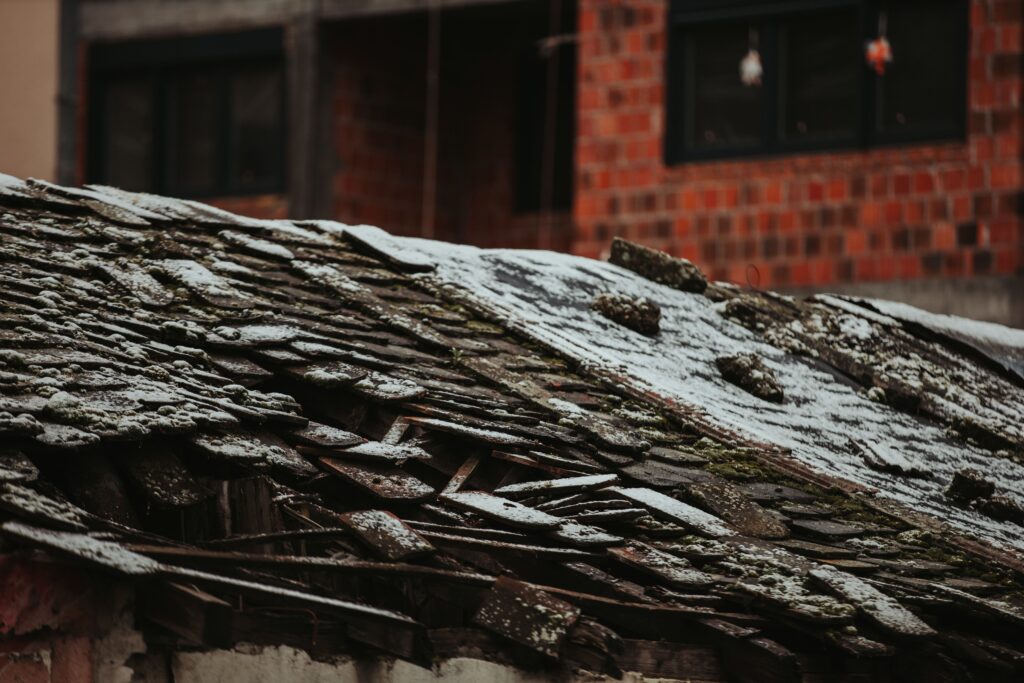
(164, 62)
(687, 15)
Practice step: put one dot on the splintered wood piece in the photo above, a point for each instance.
(582, 535)
(527, 615)
(386, 534)
(556, 486)
(486, 435)
(601, 517)
(326, 436)
(883, 610)
(599, 581)
(729, 502)
(675, 511)
(674, 570)
(532, 461)
(396, 431)
(493, 546)
(193, 615)
(380, 451)
(389, 483)
(502, 510)
(464, 472)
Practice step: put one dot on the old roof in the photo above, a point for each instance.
(434, 449)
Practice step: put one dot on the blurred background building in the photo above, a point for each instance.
(560, 124)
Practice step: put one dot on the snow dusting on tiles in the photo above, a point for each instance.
(550, 293)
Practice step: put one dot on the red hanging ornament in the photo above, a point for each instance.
(879, 54)
(878, 51)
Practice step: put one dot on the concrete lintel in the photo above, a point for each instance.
(998, 299)
(103, 20)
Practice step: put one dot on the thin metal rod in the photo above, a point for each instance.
(547, 190)
(428, 212)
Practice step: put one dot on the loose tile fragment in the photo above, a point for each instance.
(880, 608)
(527, 615)
(510, 512)
(748, 372)
(657, 266)
(676, 511)
(639, 315)
(389, 483)
(389, 537)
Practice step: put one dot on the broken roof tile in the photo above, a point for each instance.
(389, 537)
(527, 615)
(556, 486)
(127, 365)
(389, 483)
(676, 511)
(507, 511)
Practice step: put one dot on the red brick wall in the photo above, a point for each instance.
(379, 118)
(378, 97)
(946, 209)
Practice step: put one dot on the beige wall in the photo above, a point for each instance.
(29, 54)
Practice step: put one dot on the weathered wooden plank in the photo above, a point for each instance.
(464, 472)
(527, 615)
(673, 570)
(389, 483)
(450, 540)
(491, 436)
(556, 486)
(502, 510)
(594, 580)
(193, 615)
(675, 511)
(883, 610)
(299, 563)
(387, 535)
(661, 659)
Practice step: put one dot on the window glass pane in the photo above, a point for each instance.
(256, 129)
(821, 63)
(194, 129)
(127, 138)
(722, 111)
(918, 91)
